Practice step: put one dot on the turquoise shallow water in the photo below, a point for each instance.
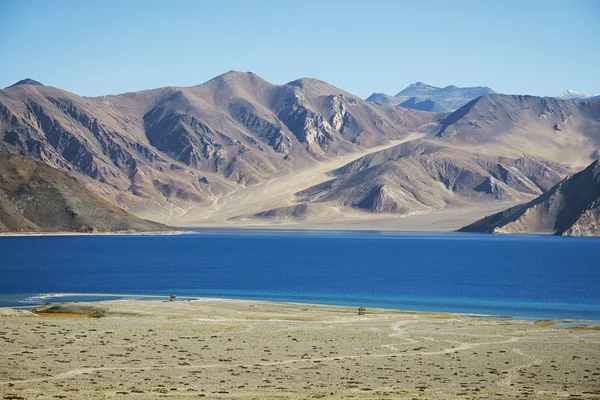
(524, 276)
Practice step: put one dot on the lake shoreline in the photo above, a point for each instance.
(107, 298)
(124, 233)
(295, 229)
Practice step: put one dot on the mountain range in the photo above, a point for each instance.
(240, 151)
(420, 96)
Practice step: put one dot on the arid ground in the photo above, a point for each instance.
(233, 349)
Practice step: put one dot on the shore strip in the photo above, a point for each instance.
(217, 348)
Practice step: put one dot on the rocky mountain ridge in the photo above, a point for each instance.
(571, 208)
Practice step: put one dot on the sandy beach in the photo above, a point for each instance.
(235, 349)
(122, 233)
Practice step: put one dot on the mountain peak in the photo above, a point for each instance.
(417, 89)
(27, 81)
(575, 95)
(237, 80)
(235, 75)
(316, 87)
(420, 84)
(303, 82)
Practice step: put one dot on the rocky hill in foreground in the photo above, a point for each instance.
(35, 197)
(571, 208)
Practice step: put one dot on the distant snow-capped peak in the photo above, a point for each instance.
(574, 95)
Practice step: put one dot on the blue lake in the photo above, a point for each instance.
(524, 276)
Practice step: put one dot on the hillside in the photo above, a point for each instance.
(571, 208)
(35, 197)
(548, 128)
(425, 175)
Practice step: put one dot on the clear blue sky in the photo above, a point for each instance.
(102, 47)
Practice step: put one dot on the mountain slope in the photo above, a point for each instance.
(37, 198)
(569, 131)
(425, 175)
(159, 152)
(570, 208)
(498, 148)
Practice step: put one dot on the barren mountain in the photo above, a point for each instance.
(562, 131)
(240, 150)
(503, 149)
(35, 197)
(159, 152)
(425, 175)
(570, 208)
(420, 96)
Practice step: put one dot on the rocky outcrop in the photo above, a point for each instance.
(306, 125)
(571, 208)
(272, 133)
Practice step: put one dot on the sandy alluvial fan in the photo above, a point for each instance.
(240, 150)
